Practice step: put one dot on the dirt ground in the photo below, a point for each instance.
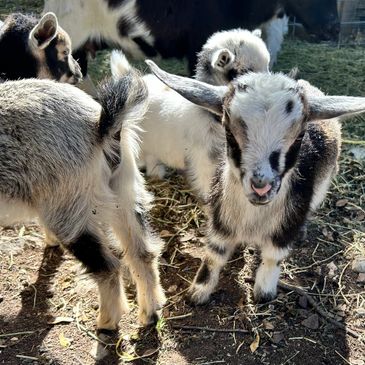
(48, 306)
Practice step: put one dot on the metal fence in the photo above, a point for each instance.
(352, 18)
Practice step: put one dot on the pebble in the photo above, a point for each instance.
(277, 337)
(98, 351)
(303, 302)
(358, 265)
(311, 322)
(360, 279)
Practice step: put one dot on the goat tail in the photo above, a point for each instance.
(119, 64)
(124, 103)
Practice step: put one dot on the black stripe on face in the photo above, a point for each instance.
(274, 160)
(293, 153)
(233, 148)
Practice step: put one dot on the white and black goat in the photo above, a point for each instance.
(54, 143)
(36, 48)
(178, 133)
(282, 143)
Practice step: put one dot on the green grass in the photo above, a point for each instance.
(23, 6)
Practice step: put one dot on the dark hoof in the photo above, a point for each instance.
(153, 319)
(263, 298)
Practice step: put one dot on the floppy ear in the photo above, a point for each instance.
(327, 107)
(207, 96)
(222, 59)
(257, 32)
(43, 33)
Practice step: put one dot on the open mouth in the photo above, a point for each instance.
(259, 201)
(263, 195)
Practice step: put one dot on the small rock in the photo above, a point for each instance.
(277, 337)
(360, 279)
(98, 351)
(328, 234)
(165, 233)
(358, 265)
(303, 302)
(341, 203)
(311, 322)
(172, 289)
(360, 216)
(303, 313)
(332, 268)
(267, 325)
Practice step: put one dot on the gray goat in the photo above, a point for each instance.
(281, 151)
(55, 146)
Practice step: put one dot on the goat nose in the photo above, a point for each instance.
(261, 186)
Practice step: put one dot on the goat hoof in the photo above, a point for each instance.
(262, 298)
(197, 297)
(148, 319)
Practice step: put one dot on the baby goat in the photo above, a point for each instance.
(281, 149)
(53, 145)
(178, 133)
(36, 48)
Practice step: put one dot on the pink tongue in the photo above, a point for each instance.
(263, 190)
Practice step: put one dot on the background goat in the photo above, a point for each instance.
(174, 29)
(191, 136)
(36, 48)
(53, 141)
(281, 150)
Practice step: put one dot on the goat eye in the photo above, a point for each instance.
(66, 52)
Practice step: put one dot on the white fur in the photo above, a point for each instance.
(89, 198)
(248, 47)
(93, 19)
(175, 130)
(274, 31)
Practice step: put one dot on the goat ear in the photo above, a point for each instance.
(327, 107)
(43, 33)
(222, 58)
(204, 95)
(257, 32)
